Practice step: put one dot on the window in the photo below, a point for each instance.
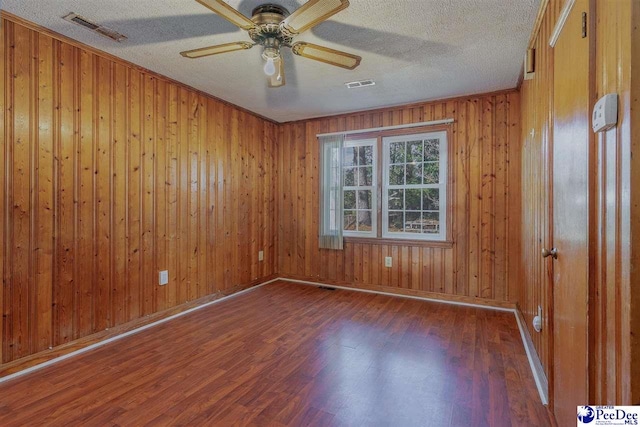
(414, 186)
(410, 179)
(359, 191)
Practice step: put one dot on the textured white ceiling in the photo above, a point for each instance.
(415, 50)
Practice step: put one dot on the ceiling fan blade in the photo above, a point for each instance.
(311, 14)
(326, 55)
(227, 12)
(214, 50)
(278, 80)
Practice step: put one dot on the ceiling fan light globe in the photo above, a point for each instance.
(269, 67)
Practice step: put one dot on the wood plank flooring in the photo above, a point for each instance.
(288, 354)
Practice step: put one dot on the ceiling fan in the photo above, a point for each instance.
(273, 27)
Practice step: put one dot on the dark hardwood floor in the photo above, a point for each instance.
(287, 354)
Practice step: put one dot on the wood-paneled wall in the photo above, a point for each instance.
(537, 134)
(108, 174)
(612, 351)
(612, 293)
(482, 264)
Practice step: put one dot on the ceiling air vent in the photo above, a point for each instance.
(361, 83)
(103, 31)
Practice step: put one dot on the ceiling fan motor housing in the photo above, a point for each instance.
(267, 19)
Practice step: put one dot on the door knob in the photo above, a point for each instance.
(550, 253)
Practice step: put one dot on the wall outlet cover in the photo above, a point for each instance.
(163, 277)
(605, 113)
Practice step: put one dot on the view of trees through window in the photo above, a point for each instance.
(359, 196)
(410, 178)
(413, 177)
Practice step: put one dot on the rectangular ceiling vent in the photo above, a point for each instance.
(361, 83)
(96, 28)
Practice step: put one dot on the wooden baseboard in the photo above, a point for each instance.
(431, 296)
(44, 358)
(534, 361)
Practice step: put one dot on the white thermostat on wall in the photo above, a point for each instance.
(605, 113)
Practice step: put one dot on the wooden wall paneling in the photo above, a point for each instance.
(119, 294)
(104, 202)
(536, 114)
(20, 184)
(461, 177)
(191, 201)
(631, 227)
(111, 173)
(183, 252)
(64, 294)
(417, 268)
(134, 191)
(203, 248)
(228, 198)
(487, 216)
(3, 181)
(173, 190)
(236, 174)
(611, 350)
(44, 191)
(148, 280)
(253, 193)
(311, 185)
(161, 193)
(474, 124)
(501, 230)
(230, 201)
(210, 195)
(87, 233)
(219, 194)
(513, 241)
(611, 378)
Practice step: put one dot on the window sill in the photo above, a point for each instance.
(447, 244)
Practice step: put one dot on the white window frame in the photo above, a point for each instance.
(442, 186)
(373, 142)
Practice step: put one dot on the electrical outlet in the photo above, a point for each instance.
(261, 256)
(388, 261)
(163, 277)
(537, 321)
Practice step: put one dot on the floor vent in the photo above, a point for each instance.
(96, 28)
(326, 288)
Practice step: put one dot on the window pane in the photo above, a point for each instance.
(364, 199)
(431, 199)
(431, 150)
(396, 175)
(349, 177)
(397, 152)
(413, 222)
(412, 200)
(396, 222)
(414, 174)
(431, 173)
(414, 151)
(350, 199)
(350, 220)
(364, 221)
(396, 199)
(431, 222)
(366, 176)
(349, 157)
(365, 155)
